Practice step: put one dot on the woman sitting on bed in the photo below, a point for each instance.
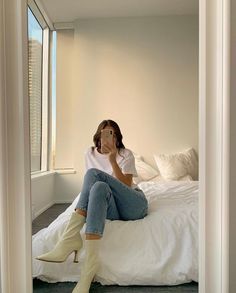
(108, 192)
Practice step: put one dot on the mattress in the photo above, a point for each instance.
(161, 249)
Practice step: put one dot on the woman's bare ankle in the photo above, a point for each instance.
(92, 237)
(81, 212)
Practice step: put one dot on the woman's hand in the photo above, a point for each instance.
(111, 151)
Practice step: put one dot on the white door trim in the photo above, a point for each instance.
(214, 101)
(15, 201)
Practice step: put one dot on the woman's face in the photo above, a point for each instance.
(110, 127)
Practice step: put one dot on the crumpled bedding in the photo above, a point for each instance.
(161, 249)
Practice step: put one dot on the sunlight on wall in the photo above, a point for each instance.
(54, 56)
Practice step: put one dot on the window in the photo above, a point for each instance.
(38, 53)
(35, 51)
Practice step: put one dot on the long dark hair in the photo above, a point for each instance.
(115, 126)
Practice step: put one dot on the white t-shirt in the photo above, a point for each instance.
(125, 160)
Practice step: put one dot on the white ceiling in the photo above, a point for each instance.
(69, 10)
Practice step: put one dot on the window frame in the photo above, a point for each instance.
(44, 153)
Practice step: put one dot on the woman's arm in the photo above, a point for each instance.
(124, 178)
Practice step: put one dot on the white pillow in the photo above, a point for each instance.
(175, 166)
(190, 160)
(160, 179)
(144, 170)
(170, 166)
(186, 178)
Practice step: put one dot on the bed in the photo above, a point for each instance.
(161, 249)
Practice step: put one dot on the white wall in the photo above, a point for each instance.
(42, 193)
(65, 106)
(141, 72)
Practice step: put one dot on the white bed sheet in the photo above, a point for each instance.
(161, 249)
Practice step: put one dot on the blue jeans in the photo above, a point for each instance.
(105, 197)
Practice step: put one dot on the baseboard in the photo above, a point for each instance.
(39, 212)
(63, 201)
(35, 214)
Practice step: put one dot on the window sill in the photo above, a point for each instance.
(65, 171)
(39, 175)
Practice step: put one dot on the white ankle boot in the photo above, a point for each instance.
(90, 266)
(70, 241)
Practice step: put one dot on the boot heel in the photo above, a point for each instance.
(76, 257)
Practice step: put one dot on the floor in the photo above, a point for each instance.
(65, 287)
(43, 220)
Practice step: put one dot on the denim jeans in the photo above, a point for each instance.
(105, 197)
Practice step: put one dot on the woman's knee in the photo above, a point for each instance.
(100, 186)
(100, 189)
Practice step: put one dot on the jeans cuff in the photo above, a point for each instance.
(81, 208)
(93, 232)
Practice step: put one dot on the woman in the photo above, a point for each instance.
(108, 192)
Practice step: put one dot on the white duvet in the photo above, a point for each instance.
(161, 249)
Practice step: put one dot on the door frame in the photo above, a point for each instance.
(214, 141)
